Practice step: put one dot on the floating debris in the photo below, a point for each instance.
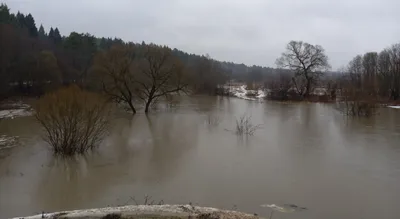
(295, 207)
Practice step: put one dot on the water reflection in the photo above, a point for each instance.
(306, 154)
(149, 149)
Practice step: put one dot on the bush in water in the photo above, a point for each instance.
(74, 120)
(244, 126)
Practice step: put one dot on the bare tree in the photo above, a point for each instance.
(308, 63)
(280, 86)
(74, 120)
(395, 71)
(357, 87)
(160, 74)
(384, 72)
(355, 70)
(389, 71)
(370, 67)
(147, 72)
(116, 71)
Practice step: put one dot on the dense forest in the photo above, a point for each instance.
(34, 60)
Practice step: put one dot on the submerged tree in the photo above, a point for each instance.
(129, 73)
(280, 86)
(115, 69)
(357, 87)
(307, 62)
(160, 74)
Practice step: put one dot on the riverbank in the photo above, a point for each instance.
(147, 211)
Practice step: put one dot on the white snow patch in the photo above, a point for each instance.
(241, 92)
(261, 94)
(6, 140)
(12, 113)
(132, 209)
(18, 105)
(394, 107)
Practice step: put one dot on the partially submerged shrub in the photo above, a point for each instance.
(356, 102)
(74, 120)
(359, 108)
(213, 120)
(244, 126)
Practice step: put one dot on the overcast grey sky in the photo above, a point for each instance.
(242, 31)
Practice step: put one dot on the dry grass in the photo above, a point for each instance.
(74, 120)
(147, 200)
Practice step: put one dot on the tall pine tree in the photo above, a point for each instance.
(57, 36)
(20, 20)
(4, 14)
(42, 33)
(51, 34)
(31, 26)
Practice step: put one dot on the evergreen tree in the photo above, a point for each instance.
(13, 20)
(118, 41)
(20, 20)
(102, 43)
(31, 26)
(42, 33)
(51, 34)
(4, 14)
(57, 36)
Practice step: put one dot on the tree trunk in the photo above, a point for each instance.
(308, 86)
(395, 94)
(132, 107)
(150, 98)
(146, 110)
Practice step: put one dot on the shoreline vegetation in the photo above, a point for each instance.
(36, 62)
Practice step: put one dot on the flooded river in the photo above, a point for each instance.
(305, 154)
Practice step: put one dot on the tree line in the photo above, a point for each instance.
(375, 74)
(32, 56)
(34, 61)
(372, 77)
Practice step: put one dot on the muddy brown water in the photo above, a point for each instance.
(305, 154)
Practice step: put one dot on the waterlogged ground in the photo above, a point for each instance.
(306, 155)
